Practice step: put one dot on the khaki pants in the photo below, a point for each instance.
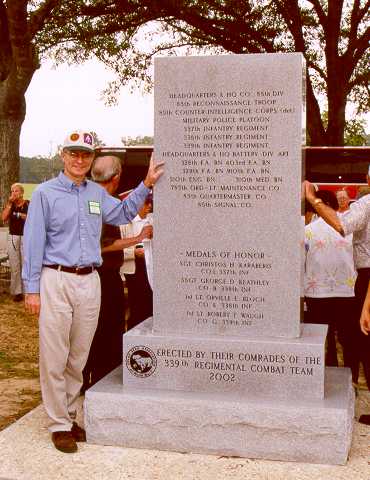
(68, 318)
(15, 252)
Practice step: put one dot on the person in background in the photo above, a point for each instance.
(357, 221)
(61, 254)
(365, 328)
(15, 214)
(363, 190)
(343, 200)
(329, 282)
(140, 294)
(106, 348)
(309, 213)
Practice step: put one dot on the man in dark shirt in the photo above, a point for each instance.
(139, 290)
(106, 349)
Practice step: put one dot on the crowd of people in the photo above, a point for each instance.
(337, 276)
(77, 238)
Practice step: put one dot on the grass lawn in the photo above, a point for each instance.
(28, 189)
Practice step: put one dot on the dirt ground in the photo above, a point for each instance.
(19, 382)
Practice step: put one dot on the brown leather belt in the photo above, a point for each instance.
(76, 270)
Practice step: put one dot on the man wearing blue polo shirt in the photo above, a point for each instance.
(61, 250)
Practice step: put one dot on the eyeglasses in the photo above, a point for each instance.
(80, 154)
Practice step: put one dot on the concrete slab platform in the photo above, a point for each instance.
(26, 453)
(314, 431)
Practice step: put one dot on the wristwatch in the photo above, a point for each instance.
(317, 201)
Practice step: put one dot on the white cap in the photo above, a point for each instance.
(79, 140)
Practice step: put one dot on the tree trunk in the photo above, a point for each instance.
(337, 100)
(10, 130)
(12, 114)
(315, 129)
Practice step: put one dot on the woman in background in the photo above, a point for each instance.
(330, 277)
(15, 213)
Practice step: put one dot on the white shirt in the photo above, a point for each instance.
(132, 230)
(148, 245)
(356, 220)
(329, 266)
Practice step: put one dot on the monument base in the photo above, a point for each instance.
(316, 431)
(288, 369)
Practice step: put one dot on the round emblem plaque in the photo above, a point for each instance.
(141, 361)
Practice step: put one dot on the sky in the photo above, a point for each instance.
(69, 97)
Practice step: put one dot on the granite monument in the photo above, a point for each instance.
(225, 365)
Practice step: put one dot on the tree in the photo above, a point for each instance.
(139, 140)
(38, 169)
(333, 36)
(355, 133)
(31, 30)
(97, 141)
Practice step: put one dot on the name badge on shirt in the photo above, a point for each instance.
(94, 207)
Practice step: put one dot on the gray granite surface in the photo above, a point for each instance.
(265, 366)
(228, 225)
(315, 431)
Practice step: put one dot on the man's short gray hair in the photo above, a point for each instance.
(105, 168)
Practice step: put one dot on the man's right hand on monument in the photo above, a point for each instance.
(32, 303)
(155, 170)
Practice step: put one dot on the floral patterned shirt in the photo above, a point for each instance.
(329, 266)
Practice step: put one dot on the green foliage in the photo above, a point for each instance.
(97, 141)
(139, 140)
(28, 190)
(333, 36)
(38, 169)
(354, 133)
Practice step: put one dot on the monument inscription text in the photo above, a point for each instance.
(231, 153)
(225, 158)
